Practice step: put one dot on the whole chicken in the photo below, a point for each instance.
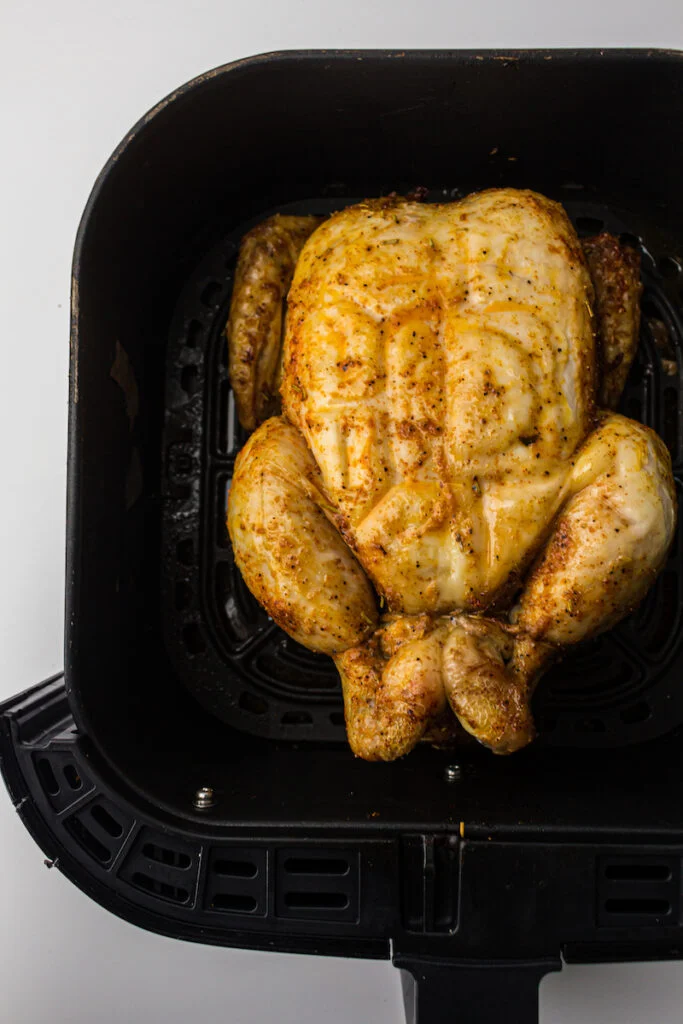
(447, 500)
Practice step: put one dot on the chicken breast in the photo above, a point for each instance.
(439, 361)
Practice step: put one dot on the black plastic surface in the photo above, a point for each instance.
(260, 888)
(445, 992)
(145, 506)
(449, 907)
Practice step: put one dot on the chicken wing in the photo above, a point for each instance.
(615, 272)
(267, 258)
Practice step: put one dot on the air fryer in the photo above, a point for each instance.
(189, 771)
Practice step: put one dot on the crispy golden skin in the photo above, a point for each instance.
(397, 684)
(292, 557)
(393, 688)
(439, 361)
(610, 539)
(439, 387)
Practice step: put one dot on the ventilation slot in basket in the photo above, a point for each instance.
(105, 820)
(638, 905)
(60, 779)
(316, 866)
(100, 829)
(73, 778)
(164, 890)
(644, 872)
(236, 868)
(162, 868)
(321, 885)
(234, 903)
(316, 900)
(47, 777)
(237, 881)
(639, 891)
(90, 843)
(163, 855)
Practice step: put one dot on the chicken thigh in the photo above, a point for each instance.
(442, 447)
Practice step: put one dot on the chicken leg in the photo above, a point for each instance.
(292, 557)
(397, 685)
(610, 539)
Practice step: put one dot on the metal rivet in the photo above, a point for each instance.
(204, 798)
(452, 772)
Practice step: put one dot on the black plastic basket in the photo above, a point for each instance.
(190, 771)
(613, 691)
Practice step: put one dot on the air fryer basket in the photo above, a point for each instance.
(190, 771)
(618, 689)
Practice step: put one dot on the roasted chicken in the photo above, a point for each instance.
(447, 499)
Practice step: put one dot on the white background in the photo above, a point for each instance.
(74, 76)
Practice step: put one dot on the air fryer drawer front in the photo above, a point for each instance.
(450, 908)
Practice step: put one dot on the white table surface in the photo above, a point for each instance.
(74, 76)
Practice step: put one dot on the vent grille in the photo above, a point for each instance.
(100, 829)
(157, 887)
(237, 881)
(639, 892)
(317, 885)
(61, 779)
(163, 867)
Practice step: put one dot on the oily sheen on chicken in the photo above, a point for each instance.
(446, 499)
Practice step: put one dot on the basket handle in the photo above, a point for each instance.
(472, 992)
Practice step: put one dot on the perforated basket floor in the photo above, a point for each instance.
(623, 687)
